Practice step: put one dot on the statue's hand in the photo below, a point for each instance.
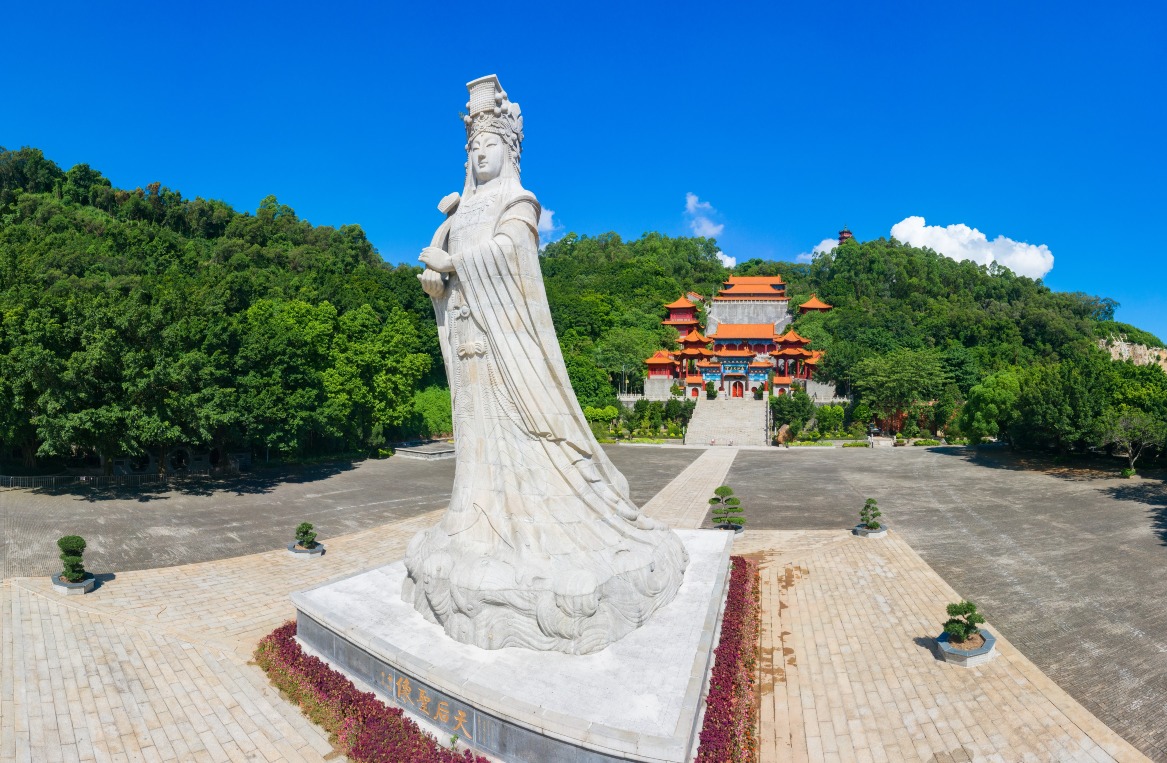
(437, 259)
(432, 283)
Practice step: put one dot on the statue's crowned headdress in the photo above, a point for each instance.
(490, 111)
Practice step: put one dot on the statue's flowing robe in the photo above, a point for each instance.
(541, 545)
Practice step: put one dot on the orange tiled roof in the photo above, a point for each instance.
(735, 353)
(695, 336)
(660, 358)
(791, 337)
(679, 322)
(814, 303)
(694, 380)
(760, 364)
(752, 287)
(727, 331)
(787, 352)
(783, 381)
(776, 280)
(706, 364)
(693, 352)
(680, 303)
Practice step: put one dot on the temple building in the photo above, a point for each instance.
(814, 304)
(750, 299)
(682, 316)
(738, 357)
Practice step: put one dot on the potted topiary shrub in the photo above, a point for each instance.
(73, 580)
(726, 507)
(962, 642)
(305, 543)
(869, 525)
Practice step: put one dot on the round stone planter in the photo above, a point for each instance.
(967, 657)
(863, 532)
(736, 528)
(66, 588)
(317, 550)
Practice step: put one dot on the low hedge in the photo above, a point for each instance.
(926, 442)
(361, 726)
(729, 733)
(856, 445)
(811, 444)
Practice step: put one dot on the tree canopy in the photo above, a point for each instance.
(136, 320)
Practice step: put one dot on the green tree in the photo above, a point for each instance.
(893, 383)
(1131, 431)
(830, 418)
(725, 508)
(794, 409)
(991, 407)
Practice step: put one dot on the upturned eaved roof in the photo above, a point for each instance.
(752, 287)
(694, 336)
(814, 303)
(694, 380)
(680, 304)
(660, 358)
(729, 331)
(790, 337)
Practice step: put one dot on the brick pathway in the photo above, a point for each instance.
(848, 671)
(684, 502)
(154, 664)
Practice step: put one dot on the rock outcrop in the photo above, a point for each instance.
(1139, 354)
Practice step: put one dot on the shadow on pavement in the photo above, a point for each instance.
(252, 483)
(101, 578)
(929, 643)
(1153, 493)
(1078, 467)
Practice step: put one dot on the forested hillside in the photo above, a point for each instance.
(920, 341)
(135, 320)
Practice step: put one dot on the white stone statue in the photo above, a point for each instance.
(541, 546)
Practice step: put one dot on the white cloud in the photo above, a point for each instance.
(549, 230)
(693, 205)
(726, 260)
(703, 226)
(961, 242)
(700, 215)
(826, 245)
(547, 221)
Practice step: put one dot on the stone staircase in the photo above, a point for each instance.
(728, 420)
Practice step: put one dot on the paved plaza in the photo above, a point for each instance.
(1070, 564)
(205, 520)
(1066, 564)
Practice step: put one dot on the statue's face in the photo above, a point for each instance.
(487, 152)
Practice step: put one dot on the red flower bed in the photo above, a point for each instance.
(729, 733)
(361, 726)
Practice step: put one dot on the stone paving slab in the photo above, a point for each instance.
(849, 673)
(153, 665)
(684, 502)
(200, 521)
(1067, 559)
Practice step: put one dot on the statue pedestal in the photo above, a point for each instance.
(640, 699)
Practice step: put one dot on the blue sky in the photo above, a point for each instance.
(1041, 124)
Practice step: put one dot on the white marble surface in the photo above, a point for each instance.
(642, 693)
(541, 545)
